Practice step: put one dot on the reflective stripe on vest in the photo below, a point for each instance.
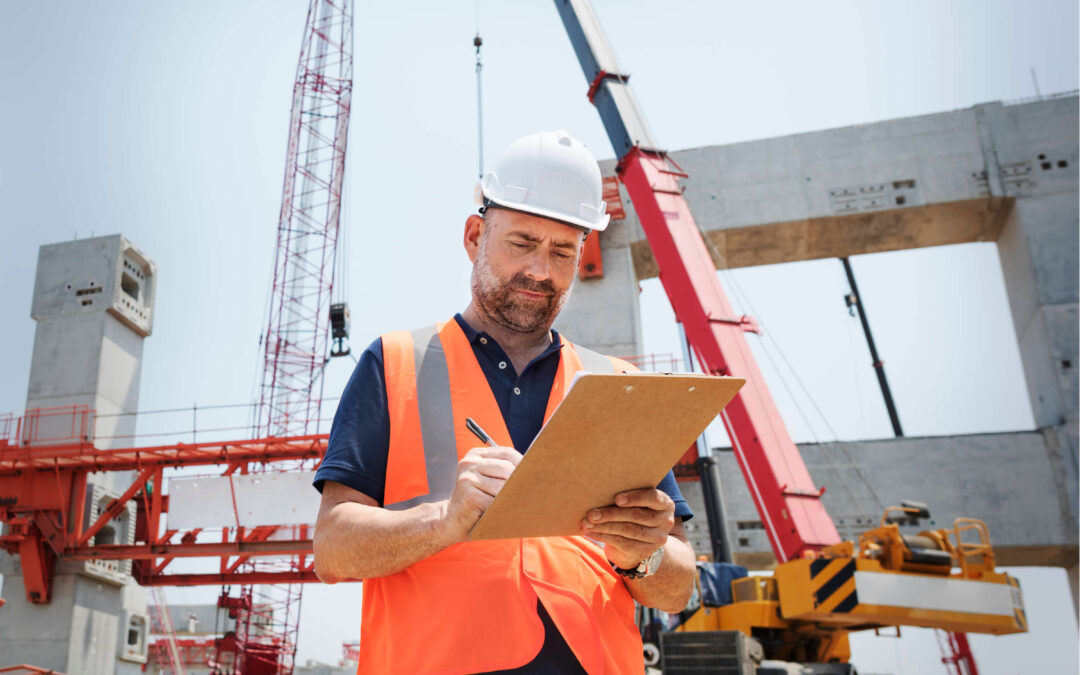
(472, 607)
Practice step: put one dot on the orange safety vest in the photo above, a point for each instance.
(471, 608)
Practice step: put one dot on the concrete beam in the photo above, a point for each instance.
(897, 229)
(946, 178)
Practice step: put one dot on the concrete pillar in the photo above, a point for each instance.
(1033, 150)
(93, 303)
(1038, 251)
(603, 314)
(1074, 584)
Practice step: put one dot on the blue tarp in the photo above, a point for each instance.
(716, 581)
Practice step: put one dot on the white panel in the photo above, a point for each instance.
(200, 502)
(917, 592)
(277, 499)
(262, 499)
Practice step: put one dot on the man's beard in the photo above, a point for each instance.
(509, 309)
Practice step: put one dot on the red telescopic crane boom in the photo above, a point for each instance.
(785, 496)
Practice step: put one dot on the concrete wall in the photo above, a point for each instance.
(1015, 482)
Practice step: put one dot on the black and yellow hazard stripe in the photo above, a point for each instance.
(1018, 612)
(833, 584)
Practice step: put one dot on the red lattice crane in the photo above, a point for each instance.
(296, 345)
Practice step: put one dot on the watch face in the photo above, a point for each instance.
(653, 562)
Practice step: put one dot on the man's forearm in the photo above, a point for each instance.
(357, 541)
(673, 584)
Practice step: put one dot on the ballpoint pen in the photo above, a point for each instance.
(472, 426)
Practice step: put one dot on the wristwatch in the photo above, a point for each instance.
(645, 568)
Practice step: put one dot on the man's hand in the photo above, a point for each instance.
(636, 526)
(481, 473)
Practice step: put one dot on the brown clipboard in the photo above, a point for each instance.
(611, 433)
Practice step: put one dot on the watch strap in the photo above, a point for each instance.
(641, 570)
(632, 573)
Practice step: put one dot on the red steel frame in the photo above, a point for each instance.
(956, 653)
(43, 497)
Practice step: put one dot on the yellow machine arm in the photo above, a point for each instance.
(936, 579)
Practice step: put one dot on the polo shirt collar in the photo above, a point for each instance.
(473, 335)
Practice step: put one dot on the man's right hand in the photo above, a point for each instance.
(481, 473)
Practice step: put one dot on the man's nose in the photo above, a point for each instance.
(539, 267)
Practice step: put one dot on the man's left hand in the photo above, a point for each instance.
(634, 528)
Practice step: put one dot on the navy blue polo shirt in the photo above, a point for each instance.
(360, 438)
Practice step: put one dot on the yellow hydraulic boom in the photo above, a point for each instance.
(936, 579)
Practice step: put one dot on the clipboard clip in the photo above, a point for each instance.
(812, 494)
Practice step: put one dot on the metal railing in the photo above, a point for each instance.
(79, 423)
(657, 363)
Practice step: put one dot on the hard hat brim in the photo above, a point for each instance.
(579, 223)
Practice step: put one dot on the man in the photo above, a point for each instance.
(404, 481)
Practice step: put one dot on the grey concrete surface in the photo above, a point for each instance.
(603, 315)
(1012, 481)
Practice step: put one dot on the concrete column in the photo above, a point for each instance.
(93, 303)
(1033, 149)
(1074, 584)
(1038, 251)
(603, 314)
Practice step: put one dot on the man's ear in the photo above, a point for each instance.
(474, 226)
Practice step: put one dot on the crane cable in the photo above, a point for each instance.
(478, 42)
(744, 300)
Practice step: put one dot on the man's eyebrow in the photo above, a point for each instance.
(536, 240)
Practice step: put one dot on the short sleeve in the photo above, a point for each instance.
(671, 487)
(360, 434)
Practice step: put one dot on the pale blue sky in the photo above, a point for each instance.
(167, 122)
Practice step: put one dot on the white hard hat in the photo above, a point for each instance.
(548, 174)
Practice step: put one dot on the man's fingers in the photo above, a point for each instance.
(509, 454)
(481, 474)
(493, 468)
(649, 508)
(631, 514)
(486, 484)
(625, 553)
(649, 498)
(630, 531)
